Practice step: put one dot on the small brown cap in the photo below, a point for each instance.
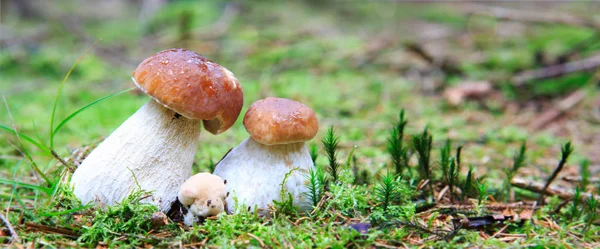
(192, 86)
(273, 121)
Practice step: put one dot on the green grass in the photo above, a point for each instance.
(312, 54)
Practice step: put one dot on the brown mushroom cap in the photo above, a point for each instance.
(273, 121)
(192, 86)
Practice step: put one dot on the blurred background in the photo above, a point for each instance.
(486, 74)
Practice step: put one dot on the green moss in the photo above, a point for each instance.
(325, 56)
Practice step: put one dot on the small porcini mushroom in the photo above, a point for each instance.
(154, 148)
(203, 195)
(255, 169)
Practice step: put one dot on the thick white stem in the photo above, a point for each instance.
(254, 173)
(155, 145)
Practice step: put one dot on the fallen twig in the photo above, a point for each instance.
(444, 64)
(560, 206)
(62, 161)
(579, 179)
(383, 245)
(201, 244)
(482, 221)
(533, 16)
(442, 193)
(537, 187)
(14, 237)
(326, 196)
(490, 207)
(560, 108)
(578, 48)
(418, 227)
(500, 231)
(58, 230)
(586, 64)
(375, 47)
(262, 244)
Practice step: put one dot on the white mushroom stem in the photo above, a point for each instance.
(155, 145)
(254, 173)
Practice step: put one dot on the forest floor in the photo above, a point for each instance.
(514, 85)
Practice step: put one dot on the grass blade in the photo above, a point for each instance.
(60, 88)
(73, 210)
(23, 149)
(26, 138)
(14, 189)
(26, 185)
(64, 121)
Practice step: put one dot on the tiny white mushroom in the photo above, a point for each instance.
(154, 149)
(203, 195)
(255, 169)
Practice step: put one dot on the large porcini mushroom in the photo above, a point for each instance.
(154, 148)
(203, 195)
(255, 169)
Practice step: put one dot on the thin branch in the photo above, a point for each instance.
(579, 179)
(53, 230)
(419, 227)
(538, 187)
(578, 48)
(14, 237)
(262, 244)
(57, 157)
(444, 64)
(587, 64)
(559, 109)
(533, 16)
(490, 207)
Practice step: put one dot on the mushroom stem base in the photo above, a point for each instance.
(153, 150)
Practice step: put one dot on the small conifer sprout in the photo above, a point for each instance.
(153, 150)
(203, 195)
(256, 168)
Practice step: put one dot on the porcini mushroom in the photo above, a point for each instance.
(203, 195)
(154, 148)
(255, 169)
